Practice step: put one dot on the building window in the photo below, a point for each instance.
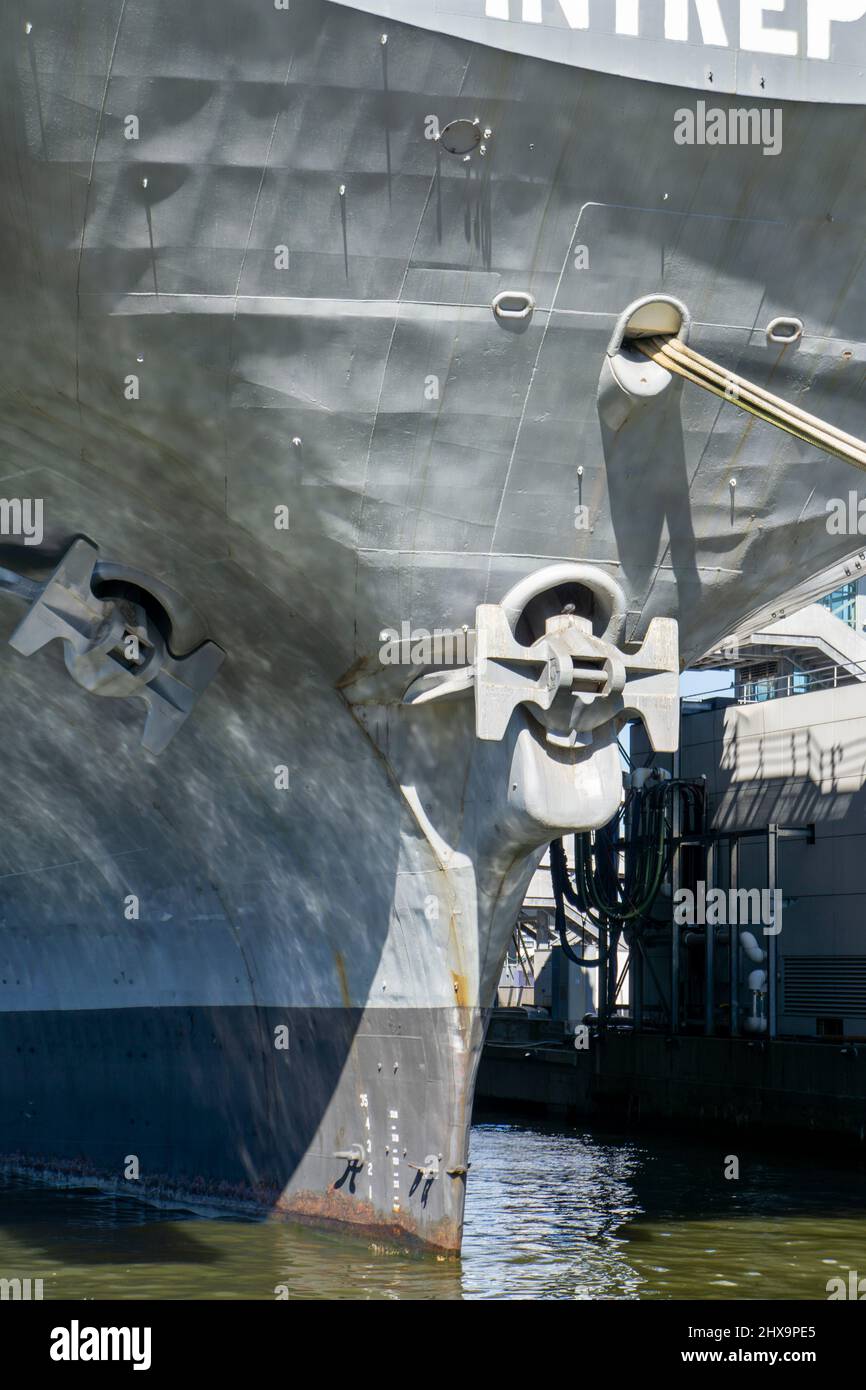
(842, 603)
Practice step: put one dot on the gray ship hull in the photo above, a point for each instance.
(215, 1116)
(258, 963)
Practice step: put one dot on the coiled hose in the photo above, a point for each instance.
(600, 894)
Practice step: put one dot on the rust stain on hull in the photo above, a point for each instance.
(308, 1208)
(461, 990)
(344, 979)
(363, 1219)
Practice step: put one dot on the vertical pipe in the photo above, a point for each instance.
(602, 977)
(734, 940)
(676, 883)
(635, 956)
(635, 973)
(772, 875)
(710, 949)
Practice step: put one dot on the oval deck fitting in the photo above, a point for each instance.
(776, 330)
(522, 301)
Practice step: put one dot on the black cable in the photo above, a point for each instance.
(603, 896)
(562, 890)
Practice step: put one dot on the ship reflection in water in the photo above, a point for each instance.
(551, 1213)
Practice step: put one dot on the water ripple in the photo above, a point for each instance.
(551, 1213)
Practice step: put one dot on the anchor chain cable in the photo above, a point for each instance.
(677, 357)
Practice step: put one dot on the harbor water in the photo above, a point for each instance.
(552, 1212)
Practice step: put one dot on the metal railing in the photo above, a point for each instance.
(752, 692)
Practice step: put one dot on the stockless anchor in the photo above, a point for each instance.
(116, 642)
(569, 679)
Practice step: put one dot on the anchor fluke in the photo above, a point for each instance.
(114, 648)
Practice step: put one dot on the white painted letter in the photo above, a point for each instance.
(628, 17)
(576, 13)
(756, 38)
(823, 13)
(709, 17)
